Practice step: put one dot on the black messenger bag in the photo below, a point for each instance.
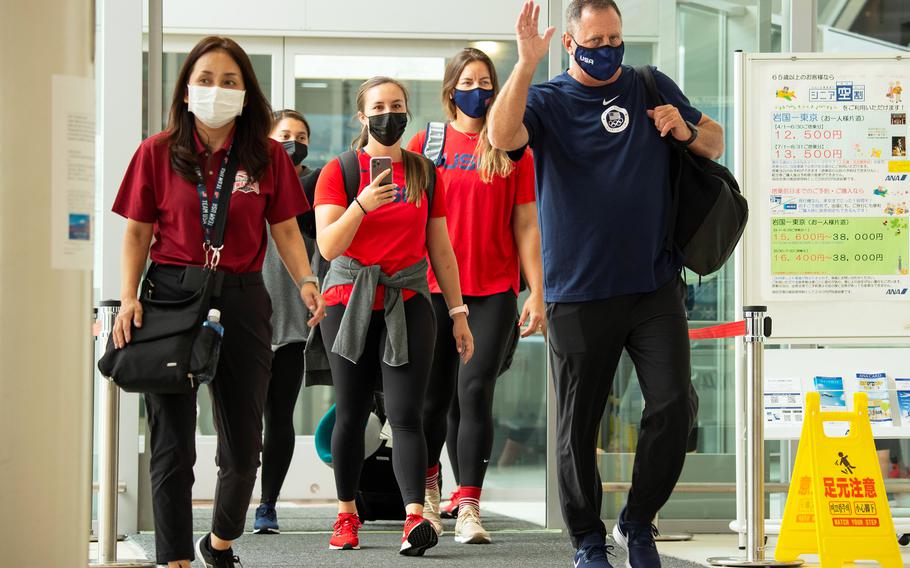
(164, 356)
(709, 213)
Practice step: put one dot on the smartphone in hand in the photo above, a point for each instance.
(378, 165)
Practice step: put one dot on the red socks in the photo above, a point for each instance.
(433, 478)
(469, 496)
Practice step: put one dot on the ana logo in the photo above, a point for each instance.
(243, 184)
(896, 292)
(615, 119)
(896, 177)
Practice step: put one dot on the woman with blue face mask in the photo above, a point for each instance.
(289, 330)
(492, 223)
(219, 121)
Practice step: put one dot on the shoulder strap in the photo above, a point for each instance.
(435, 142)
(227, 188)
(430, 189)
(350, 173)
(647, 75)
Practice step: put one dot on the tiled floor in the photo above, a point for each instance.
(704, 546)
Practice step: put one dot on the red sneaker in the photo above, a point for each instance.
(419, 535)
(450, 509)
(345, 535)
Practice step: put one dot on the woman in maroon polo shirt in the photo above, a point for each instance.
(218, 110)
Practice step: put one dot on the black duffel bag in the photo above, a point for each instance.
(166, 354)
(709, 212)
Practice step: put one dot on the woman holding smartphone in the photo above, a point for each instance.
(289, 330)
(380, 319)
(492, 223)
(218, 114)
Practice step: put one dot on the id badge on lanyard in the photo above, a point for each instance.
(210, 212)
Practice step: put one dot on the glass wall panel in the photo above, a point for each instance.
(704, 74)
(172, 61)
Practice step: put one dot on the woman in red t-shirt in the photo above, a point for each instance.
(218, 110)
(492, 222)
(379, 319)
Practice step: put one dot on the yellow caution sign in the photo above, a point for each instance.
(837, 506)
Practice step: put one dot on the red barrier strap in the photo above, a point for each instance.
(734, 329)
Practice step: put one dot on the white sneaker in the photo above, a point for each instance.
(468, 529)
(431, 510)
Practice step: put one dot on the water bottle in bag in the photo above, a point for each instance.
(207, 348)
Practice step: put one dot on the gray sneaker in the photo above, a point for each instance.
(468, 529)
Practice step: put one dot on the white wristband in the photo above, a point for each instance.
(462, 309)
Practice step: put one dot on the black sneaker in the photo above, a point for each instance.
(638, 540)
(215, 558)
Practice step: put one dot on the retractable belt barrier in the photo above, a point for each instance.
(108, 455)
(755, 327)
(724, 330)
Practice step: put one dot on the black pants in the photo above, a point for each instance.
(464, 415)
(238, 395)
(586, 340)
(404, 388)
(278, 444)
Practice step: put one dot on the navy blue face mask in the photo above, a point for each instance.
(599, 62)
(473, 103)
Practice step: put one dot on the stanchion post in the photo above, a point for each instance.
(758, 326)
(108, 459)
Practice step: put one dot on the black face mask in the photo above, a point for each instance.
(388, 128)
(295, 150)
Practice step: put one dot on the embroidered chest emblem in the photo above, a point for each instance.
(243, 184)
(615, 119)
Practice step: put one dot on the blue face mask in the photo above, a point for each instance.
(473, 103)
(599, 62)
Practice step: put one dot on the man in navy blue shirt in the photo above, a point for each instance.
(611, 280)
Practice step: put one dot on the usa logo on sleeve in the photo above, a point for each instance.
(615, 119)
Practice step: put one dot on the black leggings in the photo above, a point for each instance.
(404, 388)
(278, 443)
(493, 320)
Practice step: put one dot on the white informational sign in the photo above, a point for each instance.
(834, 151)
(72, 159)
(821, 154)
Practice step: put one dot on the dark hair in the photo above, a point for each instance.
(576, 7)
(416, 167)
(490, 161)
(251, 132)
(280, 115)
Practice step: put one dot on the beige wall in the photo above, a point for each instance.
(45, 358)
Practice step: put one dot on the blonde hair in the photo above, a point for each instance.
(491, 161)
(416, 167)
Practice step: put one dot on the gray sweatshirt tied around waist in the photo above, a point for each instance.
(349, 343)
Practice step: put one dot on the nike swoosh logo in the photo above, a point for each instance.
(606, 102)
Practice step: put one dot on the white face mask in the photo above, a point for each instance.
(215, 106)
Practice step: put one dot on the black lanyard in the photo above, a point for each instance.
(210, 212)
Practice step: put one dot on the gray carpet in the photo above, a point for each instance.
(515, 543)
(320, 519)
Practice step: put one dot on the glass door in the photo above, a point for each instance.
(321, 79)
